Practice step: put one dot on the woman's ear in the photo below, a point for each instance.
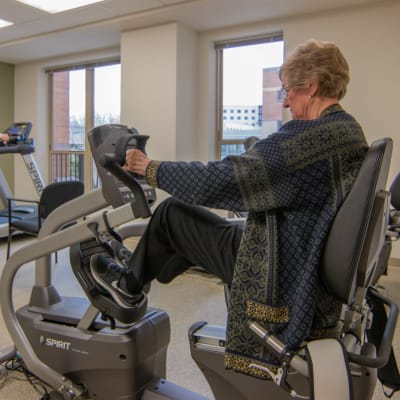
(313, 89)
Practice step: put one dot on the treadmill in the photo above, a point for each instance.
(19, 143)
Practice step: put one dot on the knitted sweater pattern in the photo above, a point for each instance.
(292, 183)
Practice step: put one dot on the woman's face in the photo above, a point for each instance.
(298, 100)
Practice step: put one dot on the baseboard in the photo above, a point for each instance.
(394, 262)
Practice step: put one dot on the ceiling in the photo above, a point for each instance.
(37, 34)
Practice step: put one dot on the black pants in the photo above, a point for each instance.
(179, 236)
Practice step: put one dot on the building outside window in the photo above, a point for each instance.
(248, 84)
(81, 98)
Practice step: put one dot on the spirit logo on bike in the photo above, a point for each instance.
(58, 344)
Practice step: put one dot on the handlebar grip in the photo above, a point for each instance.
(114, 163)
(121, 145)
(385, 345)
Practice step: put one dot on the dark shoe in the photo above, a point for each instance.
(120, 251)
(107, 274)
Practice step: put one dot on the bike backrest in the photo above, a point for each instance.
(395, 192)
(358, 230)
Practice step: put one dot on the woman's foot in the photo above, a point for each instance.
(111, 276)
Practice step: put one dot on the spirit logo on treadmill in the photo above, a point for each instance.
(32, 169)
(58, 344)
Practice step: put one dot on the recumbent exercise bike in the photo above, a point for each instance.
(91, 347)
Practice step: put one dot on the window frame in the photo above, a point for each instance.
(219, 48)
(90, 180)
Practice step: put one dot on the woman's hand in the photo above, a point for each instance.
(5, 137)
(136, 162)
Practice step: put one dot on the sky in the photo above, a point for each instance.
(243, 71)
(107, 91)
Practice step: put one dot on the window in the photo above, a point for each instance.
(82, 97)
(248, 83)
(68, 110)
(107, 94)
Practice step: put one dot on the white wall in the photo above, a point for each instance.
(158, 88)
(369, 40)
(158, 84)
(186, 93)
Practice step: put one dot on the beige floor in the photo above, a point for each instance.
(188, 299)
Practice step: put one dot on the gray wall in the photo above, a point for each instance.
(7, 117)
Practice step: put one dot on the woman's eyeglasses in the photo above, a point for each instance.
(284, 91)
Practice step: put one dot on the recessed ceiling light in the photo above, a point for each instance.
(56, 6)
(4, 23)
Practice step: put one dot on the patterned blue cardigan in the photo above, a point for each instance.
(292, 183)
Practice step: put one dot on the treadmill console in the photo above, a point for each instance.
(19, 132)
(105, 141)
(19, 140)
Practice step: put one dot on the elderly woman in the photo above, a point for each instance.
(291, 183)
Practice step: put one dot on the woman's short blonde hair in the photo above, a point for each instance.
(319, 61)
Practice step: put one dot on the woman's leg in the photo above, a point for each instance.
(179, 236)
